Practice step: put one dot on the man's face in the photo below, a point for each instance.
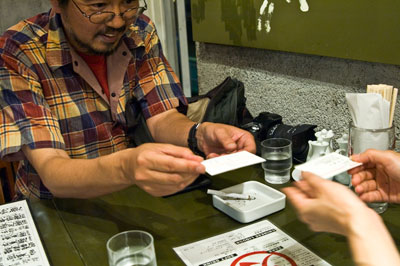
(88, 37)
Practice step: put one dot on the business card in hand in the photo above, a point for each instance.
(225, 163)
(329, 165)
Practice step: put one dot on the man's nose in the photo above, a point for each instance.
(117, 21)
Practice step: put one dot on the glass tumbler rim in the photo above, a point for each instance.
(288, 141)
(351, 125)
(128, 232)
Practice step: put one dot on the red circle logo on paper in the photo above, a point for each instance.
(261, 258)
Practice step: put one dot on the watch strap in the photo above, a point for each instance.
(192, 140)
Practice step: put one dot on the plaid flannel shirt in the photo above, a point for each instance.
(49, 98)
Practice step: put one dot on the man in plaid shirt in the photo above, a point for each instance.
(65, 78)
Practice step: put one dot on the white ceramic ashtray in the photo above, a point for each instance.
(266, 201)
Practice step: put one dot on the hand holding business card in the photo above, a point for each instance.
(329, 165)
(233, 161)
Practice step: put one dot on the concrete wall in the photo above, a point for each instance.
(12, 11)
(301, 88)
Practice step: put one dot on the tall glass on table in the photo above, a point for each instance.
(277, 153)
(362, 139)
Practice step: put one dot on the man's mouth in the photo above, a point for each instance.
(109, 37)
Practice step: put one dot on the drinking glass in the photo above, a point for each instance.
(362, 139)
(278, 155)
(131, 248)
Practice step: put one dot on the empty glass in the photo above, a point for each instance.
(131, 248)
(362, 139)
(278, 155)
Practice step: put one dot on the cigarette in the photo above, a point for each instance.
(230, 195)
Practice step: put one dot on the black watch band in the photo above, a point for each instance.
(192, 140)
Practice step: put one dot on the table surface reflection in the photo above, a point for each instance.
(75, 232)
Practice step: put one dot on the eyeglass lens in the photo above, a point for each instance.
(107, 16)
(130, 13)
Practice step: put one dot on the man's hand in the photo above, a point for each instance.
(163, 169)
(378, 179)
(159, 169)
(216, 139)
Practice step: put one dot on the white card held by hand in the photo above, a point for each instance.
(225, 163)
(329, 165)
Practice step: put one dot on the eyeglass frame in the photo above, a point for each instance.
(140, 9)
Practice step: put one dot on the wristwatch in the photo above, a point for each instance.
(192, 140)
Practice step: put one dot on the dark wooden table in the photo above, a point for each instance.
(75, 232)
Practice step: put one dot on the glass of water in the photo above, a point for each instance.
(278, 155)
(362, 139)
(131, 248)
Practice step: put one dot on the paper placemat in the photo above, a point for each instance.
(261, 243)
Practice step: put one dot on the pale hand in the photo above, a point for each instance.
(324, 205)
(378, 179)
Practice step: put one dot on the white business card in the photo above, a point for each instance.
(225, 163)
(329, 165)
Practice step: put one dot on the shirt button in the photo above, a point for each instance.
(76, 63)
(124, 53)
(113, 94)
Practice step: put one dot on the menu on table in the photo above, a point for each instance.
(19, 240)
(261, 243)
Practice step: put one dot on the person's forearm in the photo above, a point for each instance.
(370, 241)
(80, 178)
(170, 127)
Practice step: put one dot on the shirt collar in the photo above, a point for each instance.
(57, 48)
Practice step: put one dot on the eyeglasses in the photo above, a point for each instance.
(101, 17)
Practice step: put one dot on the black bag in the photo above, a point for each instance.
(225, 104)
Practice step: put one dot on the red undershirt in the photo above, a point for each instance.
(98, 65)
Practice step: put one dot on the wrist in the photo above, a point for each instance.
(125, 166)
(357, 225)
(192, 140)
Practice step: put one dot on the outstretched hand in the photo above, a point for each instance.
(325, 205)
(378, 179)
(217, 139)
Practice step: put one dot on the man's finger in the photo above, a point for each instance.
(161, 162)
(159, 178)
(180, 152)
(225, 140)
